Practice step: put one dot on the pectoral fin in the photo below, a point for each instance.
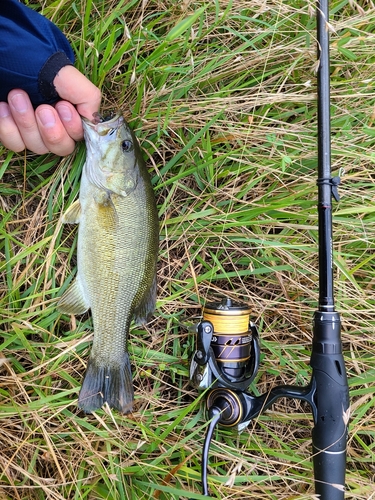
(73, 214)
(73, 300)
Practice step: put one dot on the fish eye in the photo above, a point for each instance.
(127, 146)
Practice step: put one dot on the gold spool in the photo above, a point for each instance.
(229, 320)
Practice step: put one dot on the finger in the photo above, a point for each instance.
(9, 133)
(71, 119)
(52, 131)
(73, 86)
(24, 117)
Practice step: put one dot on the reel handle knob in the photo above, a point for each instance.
(229, 403)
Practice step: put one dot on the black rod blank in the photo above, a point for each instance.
(326, 301)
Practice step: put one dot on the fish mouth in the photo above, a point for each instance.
(102, 124)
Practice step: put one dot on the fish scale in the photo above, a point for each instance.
(117, 253)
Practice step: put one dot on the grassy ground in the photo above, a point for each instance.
(224, 105)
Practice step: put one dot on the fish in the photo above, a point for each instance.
(117, 248)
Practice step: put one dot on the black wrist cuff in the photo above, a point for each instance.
(47, 74)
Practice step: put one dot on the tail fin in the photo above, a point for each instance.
(107, 384)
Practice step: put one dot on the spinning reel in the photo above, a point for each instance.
(226, 362)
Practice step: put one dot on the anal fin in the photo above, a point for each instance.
(73, 300)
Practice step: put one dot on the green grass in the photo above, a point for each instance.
(222, 96)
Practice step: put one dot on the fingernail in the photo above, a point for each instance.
(19, 103)
(4, 110)
(47, 117)
(65, 113)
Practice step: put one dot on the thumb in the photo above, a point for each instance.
(73, 86)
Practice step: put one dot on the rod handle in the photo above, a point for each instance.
(329, 436)
(330, 407)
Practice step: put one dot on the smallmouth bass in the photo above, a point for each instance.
(117, 248)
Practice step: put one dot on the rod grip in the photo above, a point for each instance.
(331, 403)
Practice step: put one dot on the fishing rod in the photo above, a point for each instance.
(227, 357)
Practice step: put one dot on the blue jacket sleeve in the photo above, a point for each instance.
(32, 51)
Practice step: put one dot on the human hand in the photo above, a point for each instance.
(49, 128)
